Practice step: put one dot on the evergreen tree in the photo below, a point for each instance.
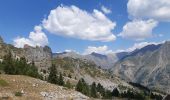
(93, 90)
(69, 75)
(18, 67)
(61, 80)
(8, 64)
(79, 86)
(52, 78)
(82, 87)
(115, 92)
(86, 89)
(108, 94)
(100, 89)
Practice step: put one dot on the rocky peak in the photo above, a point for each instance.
(40, 55)
(98, 55)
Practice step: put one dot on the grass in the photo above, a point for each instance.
(18, 94)
(3, 83)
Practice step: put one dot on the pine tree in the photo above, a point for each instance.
(86, 89)
(100, 89)
(8, 64)
(83, 87)
(69, 75)
(52, 78)
(79, 86)
(61, 80)
(108, 94)
(93, 90)
(115, 92)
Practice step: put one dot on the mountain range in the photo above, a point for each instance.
(104, 61)
(149, 66)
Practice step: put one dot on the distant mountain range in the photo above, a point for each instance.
(103, 61)
(149, 66)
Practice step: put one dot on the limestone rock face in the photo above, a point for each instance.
(150, 68)
(40, 55)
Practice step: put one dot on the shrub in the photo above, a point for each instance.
(18, 94)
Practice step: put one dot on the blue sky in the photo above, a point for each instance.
(122, 27)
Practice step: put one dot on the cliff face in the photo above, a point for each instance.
(151, 68)
(40, 55)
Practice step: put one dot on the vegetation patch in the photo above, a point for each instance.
(3, 83)
(19, 67)
(18, 94)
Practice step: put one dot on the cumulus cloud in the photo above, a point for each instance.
(36, 38)
(106, 10)
(138, 29)
(76, 23)
(151, 9)
(101, 50)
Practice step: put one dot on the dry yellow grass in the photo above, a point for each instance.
(32, 89)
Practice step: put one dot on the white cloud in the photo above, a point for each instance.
(69, 50)
(151, 9)
(138, 29)
(138, 46)
(106, 10)
(36, 38)
(101, 50)
(76, 23)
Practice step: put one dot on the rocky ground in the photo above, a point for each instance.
(34, 89)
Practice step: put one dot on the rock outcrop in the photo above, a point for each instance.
(41, 56)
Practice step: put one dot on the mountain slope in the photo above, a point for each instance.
(104, 61)
(149, 66)
(78, 69)
(34, 89)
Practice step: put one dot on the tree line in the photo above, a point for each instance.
(18, 67)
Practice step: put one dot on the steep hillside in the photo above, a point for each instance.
(16, 87)
(40, 55)
(78, 68)
(149, 66)
(104, 61)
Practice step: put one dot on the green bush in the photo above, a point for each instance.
(18, 94)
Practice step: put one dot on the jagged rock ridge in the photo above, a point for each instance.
(40, 55)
